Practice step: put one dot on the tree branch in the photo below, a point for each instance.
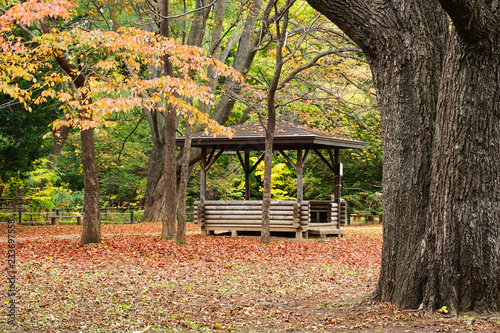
(128, 136)
(474, 20)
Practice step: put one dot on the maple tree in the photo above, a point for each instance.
(90, 64)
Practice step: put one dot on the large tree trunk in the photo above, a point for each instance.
(91, 232)
(463, 240)
(438, 92)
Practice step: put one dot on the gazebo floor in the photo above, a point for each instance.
(311, 232)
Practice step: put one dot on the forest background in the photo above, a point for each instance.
(326, 84)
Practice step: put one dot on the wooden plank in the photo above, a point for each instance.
(313, 225)
(257, 202)
(250, 225)
(250, 228)
(252, 208)
(246, 212)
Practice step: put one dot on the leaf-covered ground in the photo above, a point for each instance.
(134, 281)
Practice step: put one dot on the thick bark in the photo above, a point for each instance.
(438, 96)
(91, 232)
(463, 240)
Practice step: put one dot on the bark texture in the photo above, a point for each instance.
(463, 241)
(437, 90)
(91, 232)
(154, 206)
(169, 170)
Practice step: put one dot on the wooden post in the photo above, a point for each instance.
(338, 177)
(203, 177)
(299, 168)
(247, 175)
(79, 220)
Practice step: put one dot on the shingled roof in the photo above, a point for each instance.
(251, 136)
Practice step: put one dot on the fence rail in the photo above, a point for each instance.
(70, 217)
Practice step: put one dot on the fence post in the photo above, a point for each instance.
(131, 216)
(20, 216)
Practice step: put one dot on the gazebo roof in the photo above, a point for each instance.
(251, 136)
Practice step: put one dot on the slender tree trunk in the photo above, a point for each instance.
(181, 207)
(168, 228)
(265, 237)
(91, 232)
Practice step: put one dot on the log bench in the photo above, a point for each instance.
(55, 220)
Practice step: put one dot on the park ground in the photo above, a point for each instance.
(135, 282)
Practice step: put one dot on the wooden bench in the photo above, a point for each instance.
(55, 220)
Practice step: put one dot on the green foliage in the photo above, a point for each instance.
(365, 203)
(21, 136)
(52, 195)
(283, 181)
(122, 173)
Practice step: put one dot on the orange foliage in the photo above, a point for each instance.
(102, 57)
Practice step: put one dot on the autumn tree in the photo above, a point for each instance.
(91, 66)
(435, 66)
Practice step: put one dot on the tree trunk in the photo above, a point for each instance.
(437, 92)
(91, 232)
(170, 190)
(265, 236)
(154, 206)
(181, 207)
(406, 70)
(157, 183)
(463, 240)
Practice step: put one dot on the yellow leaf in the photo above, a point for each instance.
(444, 309)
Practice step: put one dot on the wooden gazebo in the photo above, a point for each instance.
(321, 218)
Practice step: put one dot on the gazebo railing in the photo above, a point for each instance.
(285, 215)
